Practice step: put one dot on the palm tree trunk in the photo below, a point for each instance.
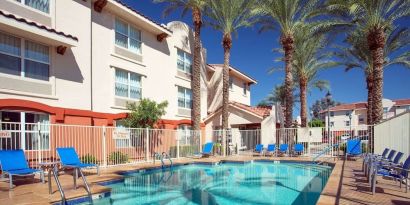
(376, 40)
(287, 43)
(369, 81)
(303, 101)
(227, 44)
(196, 73)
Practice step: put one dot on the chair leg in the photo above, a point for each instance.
(11, 181)
(75, 176)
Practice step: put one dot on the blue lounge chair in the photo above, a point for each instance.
(400, 173)
(259, 149)
(386, 150)
(298, 148)
(353, 147)
(284, 148)
(391, 155)
(13, 162)
(271, 149)
(69, 159)
(206, 151)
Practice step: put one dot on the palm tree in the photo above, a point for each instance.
(375, 18)
(309, 58)
(197, 7)
(227, 16)
(277, 95)
(288, 15)
(357, 55)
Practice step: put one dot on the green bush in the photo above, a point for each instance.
(184, 150)
(88, 158)
(118, 157)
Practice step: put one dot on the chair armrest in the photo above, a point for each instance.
(400, 169)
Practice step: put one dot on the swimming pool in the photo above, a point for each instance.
(226, 183)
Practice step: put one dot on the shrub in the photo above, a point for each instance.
(88, 158)
(118, 157)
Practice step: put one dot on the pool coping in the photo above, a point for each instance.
(105, 183)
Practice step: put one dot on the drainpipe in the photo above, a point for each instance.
(91, 56)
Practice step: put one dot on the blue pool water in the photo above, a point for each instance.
(227, 183)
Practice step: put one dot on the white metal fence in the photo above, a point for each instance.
(105, 146)
(316, 141)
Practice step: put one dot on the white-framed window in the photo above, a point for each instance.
(347, 113)
(230, 83)
(185, 134)
(184, 98)
(41, 5)
(184, 61)
(245, 85)
(29, 130)
(332, 124)
(347, 123)
(127, 84)
(332, 114)
(127, 36)
(24, 58)
(385, 109)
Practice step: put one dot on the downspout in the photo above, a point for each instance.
(91, 56)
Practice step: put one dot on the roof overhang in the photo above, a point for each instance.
(235, 72)
(219, 110)
(137, 18)
(40, 34)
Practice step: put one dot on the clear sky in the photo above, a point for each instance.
(252, 53)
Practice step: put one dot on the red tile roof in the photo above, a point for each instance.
(352, 106)
(401, 102)
(260, 111)
(51, 30)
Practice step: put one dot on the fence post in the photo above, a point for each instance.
(309, 141)
(224, 143)
(39, 142)
(177, 139)
(147, 144)
(104, 147)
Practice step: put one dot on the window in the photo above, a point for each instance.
(184, 62)
(361, 119)
(184, 98)
(127, 37)
(26, 133)
(33, 63)
(347, 123)
(332, 114)
(332, 124)
(41, 5)
(231, 83)
(127, 84)
(245, 85)
(385, 109)
(347, 113)
(185, 134)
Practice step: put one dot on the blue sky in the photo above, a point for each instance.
(252, 53)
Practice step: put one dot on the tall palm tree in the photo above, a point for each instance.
(197, 7)
(309, 58)
(375, 18)
(277, 95)
(288, 15)
(357, 55)
(227, 16)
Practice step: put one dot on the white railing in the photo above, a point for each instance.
(316, 141)
(106, 146)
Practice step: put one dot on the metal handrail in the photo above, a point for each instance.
(87, 188)
(169, 158)
(60, 188)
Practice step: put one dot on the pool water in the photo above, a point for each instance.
(227, 183)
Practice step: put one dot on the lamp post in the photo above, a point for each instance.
(328, 100)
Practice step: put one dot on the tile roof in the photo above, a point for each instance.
(260, 111)
(141, 14)
(401, 102)
(351, 106)
(30, 23)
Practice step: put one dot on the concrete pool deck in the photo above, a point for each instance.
(346, 184)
